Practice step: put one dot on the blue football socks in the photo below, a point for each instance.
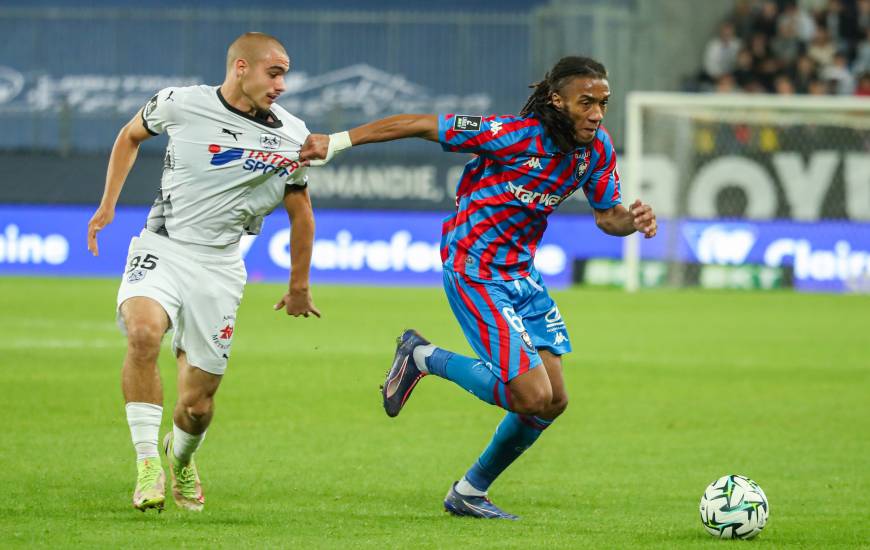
(514, 435)
(470, 374)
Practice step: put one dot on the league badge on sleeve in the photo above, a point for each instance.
(150, 106)
(465, 123)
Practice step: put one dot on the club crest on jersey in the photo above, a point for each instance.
(270, 141)
(223, 336)
(582, 162)
(465, 123)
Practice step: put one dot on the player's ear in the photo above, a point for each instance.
(241, 67)
(556, 100)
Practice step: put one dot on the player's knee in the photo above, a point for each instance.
(558, 405)
(143, 338)
(198, 407)
(535, 401)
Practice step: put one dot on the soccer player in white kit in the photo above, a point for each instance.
(232, 158)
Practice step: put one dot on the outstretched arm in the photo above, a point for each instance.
(121, 161)
(297, 301)
(621, 221)
(319, 149)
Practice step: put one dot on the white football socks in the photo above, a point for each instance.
(144, 421)
(184, 444)
(463, 487)
(420, 355)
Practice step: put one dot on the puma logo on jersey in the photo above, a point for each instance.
(534, 162)
(230, 132)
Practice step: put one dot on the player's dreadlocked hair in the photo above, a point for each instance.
(557, 124)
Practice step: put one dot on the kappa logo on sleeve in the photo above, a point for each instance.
(465, 123)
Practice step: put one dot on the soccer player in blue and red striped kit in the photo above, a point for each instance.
(525, 167)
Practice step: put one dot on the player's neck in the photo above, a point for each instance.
(235, 98)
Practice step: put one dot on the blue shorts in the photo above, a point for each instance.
(507, 322)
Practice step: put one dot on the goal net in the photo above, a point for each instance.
(750, 191)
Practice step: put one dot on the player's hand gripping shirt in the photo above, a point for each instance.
(507, 192)
(224, 170)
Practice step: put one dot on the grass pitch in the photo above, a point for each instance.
(669, 391)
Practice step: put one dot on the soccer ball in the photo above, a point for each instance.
(734, 507)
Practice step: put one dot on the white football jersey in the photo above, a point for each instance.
(224, 170)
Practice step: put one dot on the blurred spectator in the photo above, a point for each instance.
(783, 85)
(840, 25)
(755, 87)
(799, 19)
(759, 49)
(791, 47)
(862, 55)
(767, 72)
(766, 21)
(744, 68)
(726, 84)
(818, 87)
(821, 49)
(743, 19)
(839, 76)
(786, 45)
(721, 53)
(803, 73)
(813, 6)
(862, 18)
(863, 87)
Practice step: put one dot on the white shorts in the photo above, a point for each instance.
(200, 287)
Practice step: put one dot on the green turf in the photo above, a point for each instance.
(669, 391)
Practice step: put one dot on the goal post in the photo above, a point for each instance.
(749, 190)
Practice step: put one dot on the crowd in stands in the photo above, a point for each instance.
(819, 47)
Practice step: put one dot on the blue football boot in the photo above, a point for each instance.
(404, 374)
(476, 507)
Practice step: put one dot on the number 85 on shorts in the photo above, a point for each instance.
(138, 267)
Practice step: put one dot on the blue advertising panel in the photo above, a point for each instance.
(351, 247)
(402, 248)
(825, 256)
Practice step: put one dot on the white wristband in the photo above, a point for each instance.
(337, 142)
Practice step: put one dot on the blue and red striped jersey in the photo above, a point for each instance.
(518, 178)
